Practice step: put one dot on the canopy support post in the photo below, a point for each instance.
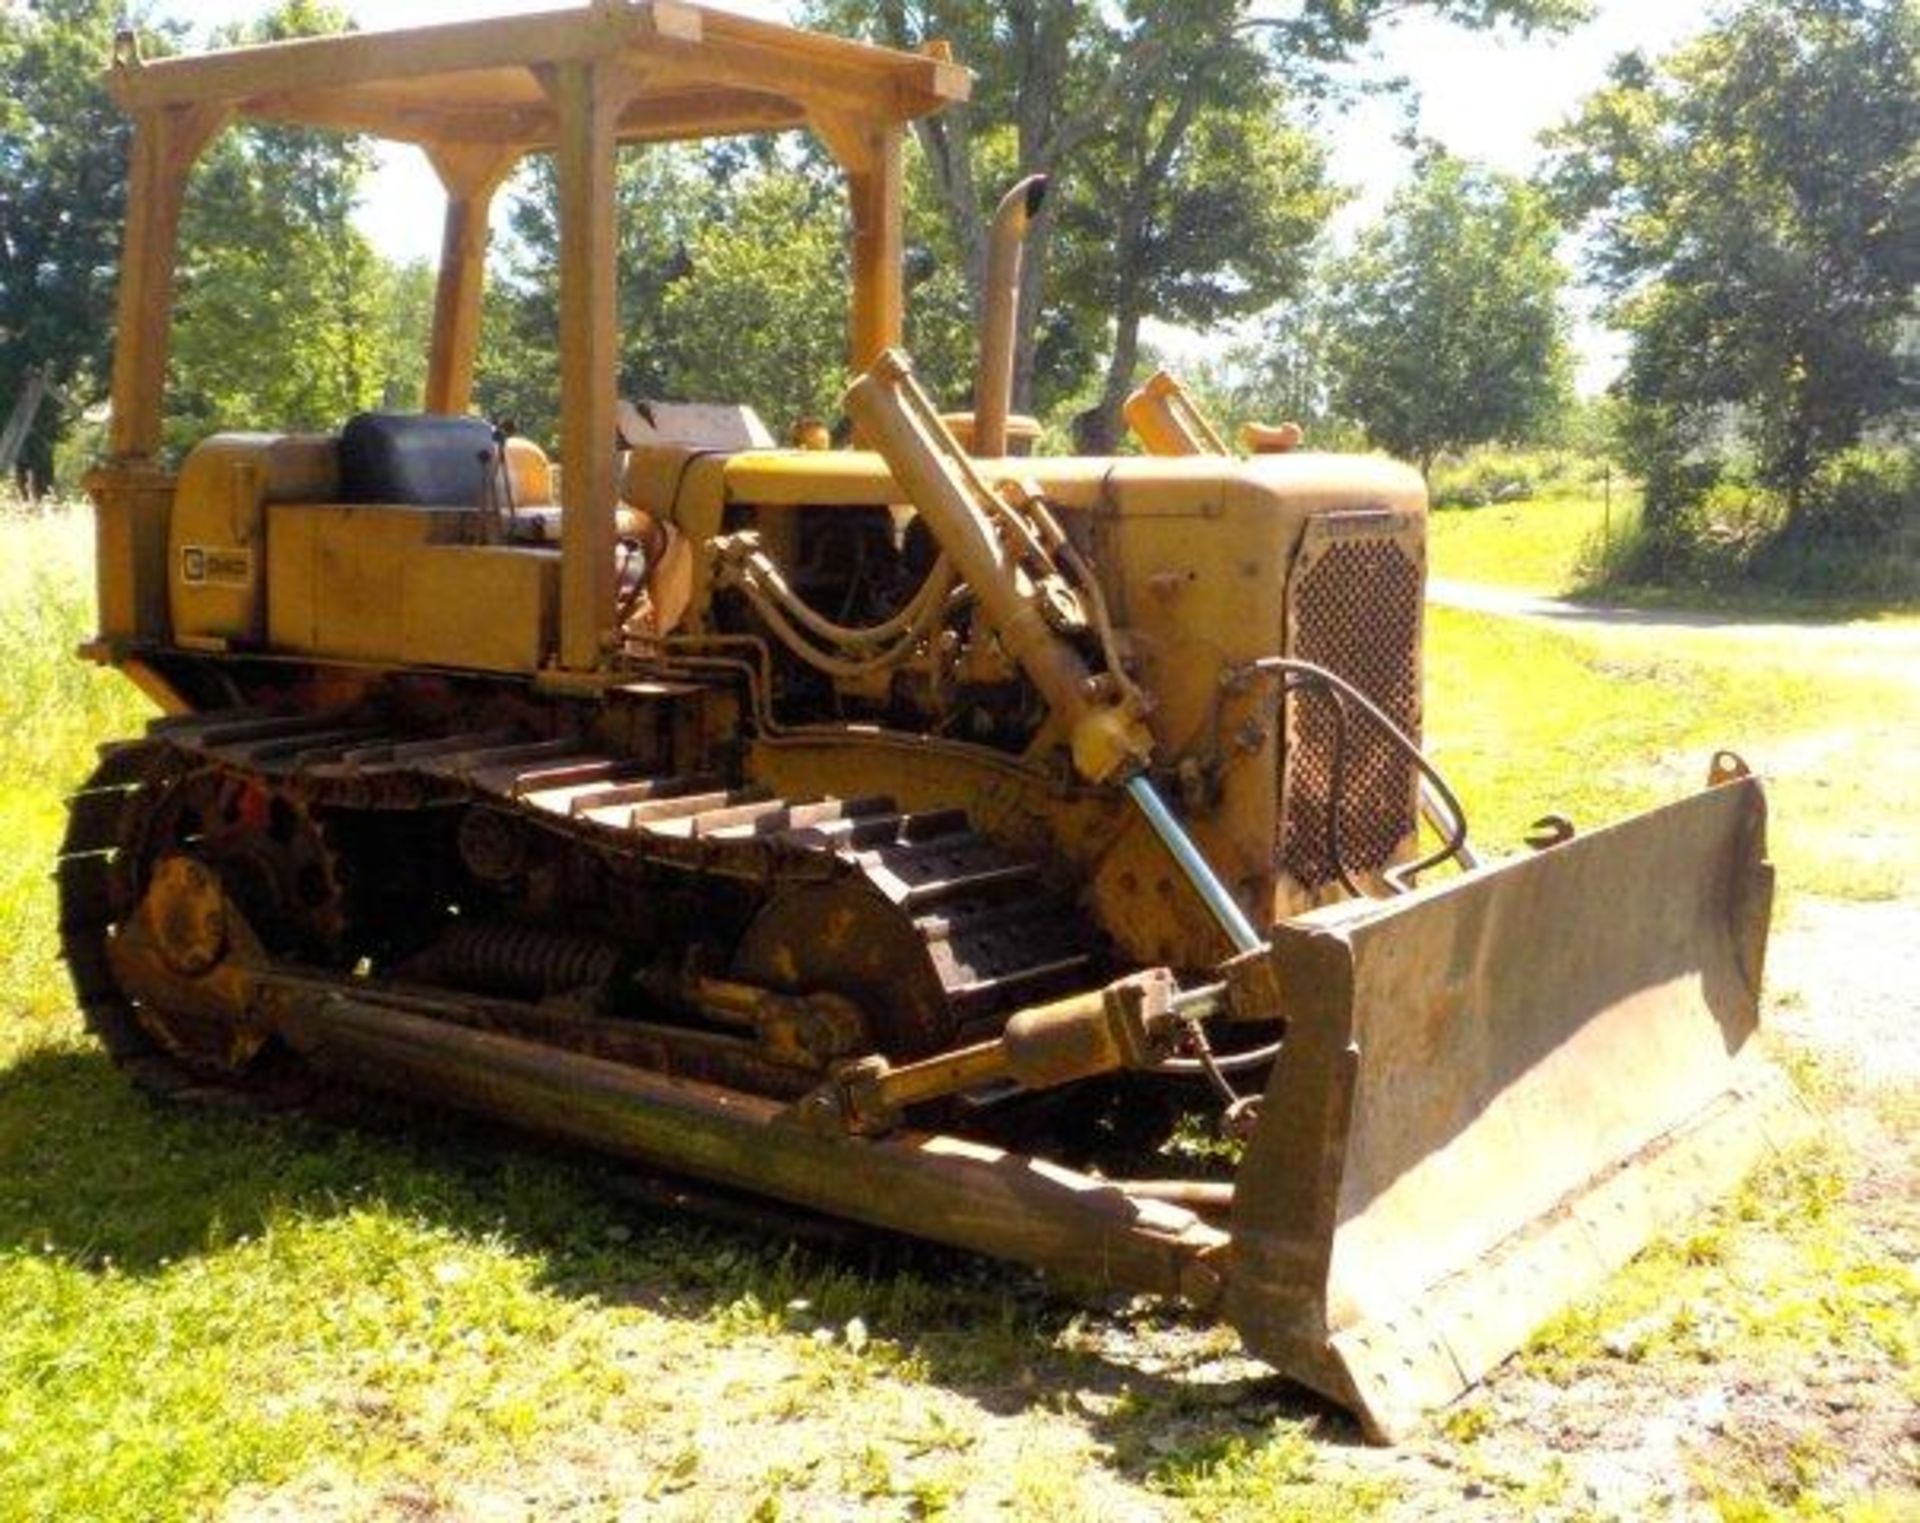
(589, 94)
(167, 140)
(471, 174)
(870, 154)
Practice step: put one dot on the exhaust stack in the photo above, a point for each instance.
(999, 316)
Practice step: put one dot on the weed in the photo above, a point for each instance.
(1277, 1479)
(1467, 1421)
(1785, 1268)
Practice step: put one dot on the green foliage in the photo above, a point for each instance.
(1538, 544)
(733, 287)
(286, 317)
(1853, 535)
(65, 707)
(63, 150)
(1864, 495)
(1224, 231)
(404, 320)
(1181, 186)
(1492, 474)
(761, 314)
(1755, 201)
(1281, 371)
(1446, 325)
(941, 335)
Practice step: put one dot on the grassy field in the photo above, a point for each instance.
(1550, 544)
(209, 1315)
(1527, 718)
(1534, 545)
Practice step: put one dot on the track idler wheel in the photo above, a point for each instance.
(844, 938)
(150, 937)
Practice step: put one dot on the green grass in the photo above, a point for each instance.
(53, 710)
(1524, 719)
(1777, 1282)
(1779, 1261)
(1534, 546)
(206, 1311)
(1555, 543)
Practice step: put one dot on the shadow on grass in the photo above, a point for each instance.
(1711, 606)
(97, 1174)
(1639, 607)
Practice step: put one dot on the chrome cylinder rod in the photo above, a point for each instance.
(1206, 884)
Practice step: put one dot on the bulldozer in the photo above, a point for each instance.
(1034, 854)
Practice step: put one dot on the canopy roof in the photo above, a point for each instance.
(699, 73)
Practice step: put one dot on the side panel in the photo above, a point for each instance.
(131, 505)
(397, 585)
(217, 539)
(486, 607)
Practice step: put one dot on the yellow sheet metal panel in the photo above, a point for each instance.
(336, 574)
(1135, 485)
(490, 607)
(131, 505)
(792, 478)
(357, 559)
(292, 621)
(216, 541)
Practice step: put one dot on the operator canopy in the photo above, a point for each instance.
(694, 73)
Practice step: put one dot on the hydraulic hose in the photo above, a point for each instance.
(1206, 883)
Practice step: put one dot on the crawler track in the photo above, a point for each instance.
(984, 931)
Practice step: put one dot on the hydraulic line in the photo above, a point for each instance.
(1438, 801)
(1206, 883)
(1443, 798)
(757, 572)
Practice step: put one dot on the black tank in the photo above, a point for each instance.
(426, 460)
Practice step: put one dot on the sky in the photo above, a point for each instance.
(1485, 96)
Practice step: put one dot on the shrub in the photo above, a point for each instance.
(1862, 495)
(1494, 474)
(1855, 532)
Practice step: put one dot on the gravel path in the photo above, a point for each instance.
(1900, 642)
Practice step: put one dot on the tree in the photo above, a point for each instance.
(733, 285)
(404, 296)
(1055, 78)
(63, 153)
(285, 316)
(760, 313)
(1755, 205)
(1279, 373)
(1447, 328)
(1222, 231)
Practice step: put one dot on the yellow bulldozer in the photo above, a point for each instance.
(925, 832)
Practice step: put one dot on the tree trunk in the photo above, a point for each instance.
(1098, 430)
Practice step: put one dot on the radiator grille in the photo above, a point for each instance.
(1354, 608)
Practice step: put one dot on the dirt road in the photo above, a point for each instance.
(1890, 639)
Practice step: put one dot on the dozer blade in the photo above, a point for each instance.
(1493, 1091)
